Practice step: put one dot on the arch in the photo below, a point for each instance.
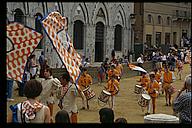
(19, 16)
(83, 17)
(99, 42)
(120, 11)
(99, 6)
(78, 34)
(118, 37)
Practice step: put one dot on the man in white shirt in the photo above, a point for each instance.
(140, 60)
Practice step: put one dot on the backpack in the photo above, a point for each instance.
(15, 110)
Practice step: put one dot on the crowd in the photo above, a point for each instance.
(43, 94)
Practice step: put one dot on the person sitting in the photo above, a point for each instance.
(62, 116)
(106, 115)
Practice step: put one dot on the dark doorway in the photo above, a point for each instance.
(99, 41)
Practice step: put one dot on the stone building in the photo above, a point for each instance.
(95, 27)
(161, 24)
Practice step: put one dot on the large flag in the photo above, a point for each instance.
(21, 42)
(136, 68)
(55, 26)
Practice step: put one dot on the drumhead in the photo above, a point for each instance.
(146, 96)
(138, 86)
(162, 117)
(86, 89)
(106, 92)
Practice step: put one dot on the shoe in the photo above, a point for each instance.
(83, 108)
(169, 104)
(166, 104)
(10, 99)
(147, 113)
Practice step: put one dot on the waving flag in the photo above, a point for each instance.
(21, 41)
(136, 68)
(55, 26)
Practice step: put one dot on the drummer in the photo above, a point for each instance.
(152, 89)
(85, 80)
(113, 72)
(158, 74)
(167, 78)
(113, 88)
(144, 79)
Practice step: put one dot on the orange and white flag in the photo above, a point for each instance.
(55, 26)
(21, 42)
(136, 68)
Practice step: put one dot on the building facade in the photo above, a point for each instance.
(159, 24)
(95, 27)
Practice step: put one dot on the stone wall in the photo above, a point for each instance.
(93, 71)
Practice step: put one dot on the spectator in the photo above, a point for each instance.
(101, 73)
(182, 102)
(140, 61)
(32, 110)
(9, 89)
(33, 68)
(62, 116)
(50, 85)
(41, 59)
(43, 67)
(106, 115)
(68, 97)
(121, 120)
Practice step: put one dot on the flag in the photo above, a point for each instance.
(136, 68)
(55, 26)
(21, 41)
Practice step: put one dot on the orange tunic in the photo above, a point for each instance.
(113, 72)
(158, 76)
(113, 86)
(144, 81)
(152, 87)
(167, 79)
(84, 81)
(119, 68)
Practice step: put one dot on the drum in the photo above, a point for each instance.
(160, 118)
(88, 93)
(138, 89)
(171, 89)
(104, 96)
(144, 100)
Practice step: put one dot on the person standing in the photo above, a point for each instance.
(68, 97)
(182, 102)
(32, 111)
(113, 88)
(9, 89)
(33, 68)
(101, 73)
(167, 78)
(85, 80)
(50, 88)
(43, 67)
(140, 61)
(153, 90)
(180, 68)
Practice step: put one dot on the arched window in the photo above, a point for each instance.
(118, 38)
(19, 16)
(149, 18)
(159, 19)
(168, 20)
(38, 27)
(78, 33)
